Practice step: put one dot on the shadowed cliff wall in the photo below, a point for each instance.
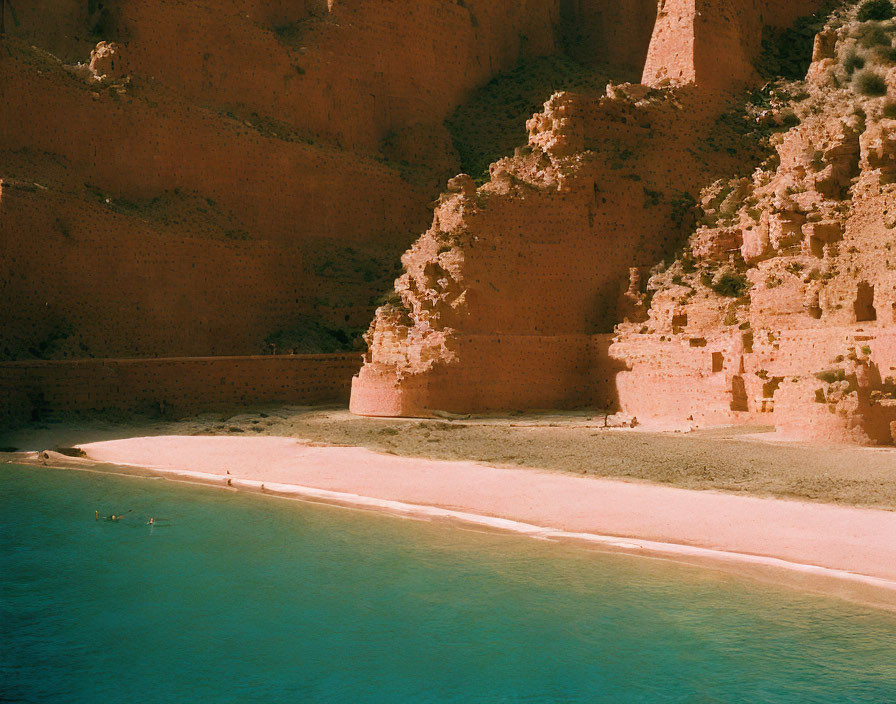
(171, 385)
(252, 137)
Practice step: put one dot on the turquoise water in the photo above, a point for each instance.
(243, 598)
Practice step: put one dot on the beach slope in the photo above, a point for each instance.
(858, 544)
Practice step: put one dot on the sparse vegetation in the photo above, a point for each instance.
(310, 336)
(730, 284)
(787, 53)
(831, 376)
(492, 123)
(652, 198)
(390, 298)
(875, 36)
(876, 10)
(684, 213)
(852, 62)
(789, 119)
(871, 84)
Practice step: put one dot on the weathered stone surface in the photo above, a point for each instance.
(781, 308)
(267, 162)
(108, 61)
(801, 334)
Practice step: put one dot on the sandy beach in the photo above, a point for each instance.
(848, 547)
(742, 460)
(818, 518)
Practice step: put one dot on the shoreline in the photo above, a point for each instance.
(744, 460)
(843, 551)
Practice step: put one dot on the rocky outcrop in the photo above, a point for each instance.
(781, 308)
(505, 299)
(108, 61)
(495, 311)
(714, 43)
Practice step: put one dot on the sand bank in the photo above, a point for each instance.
(843, 543)
(734, 459)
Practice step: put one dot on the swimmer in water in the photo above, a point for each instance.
(97, 514)
(151, 521)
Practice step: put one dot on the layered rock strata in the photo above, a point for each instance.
(502, 298)
(782, 308)
(222, 169)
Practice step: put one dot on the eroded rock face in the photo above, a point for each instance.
(559, 130)
(296, 146)
(878, 145)
(503, 296)
(780, 309)
(517, 280)
(715, 43)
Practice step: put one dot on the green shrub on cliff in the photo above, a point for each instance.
(876, 10)
(871, 84)
(787, 53)
(874, 37)
(853, 62)
(730, 285)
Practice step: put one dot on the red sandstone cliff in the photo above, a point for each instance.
(782, 306)
(502, 296)
(220, 169)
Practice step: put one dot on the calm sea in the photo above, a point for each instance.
(232, 597)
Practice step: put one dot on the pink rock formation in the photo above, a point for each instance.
(781, 308)
(494, 312)
(714, 43)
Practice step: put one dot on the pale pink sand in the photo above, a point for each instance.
(853, 540)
